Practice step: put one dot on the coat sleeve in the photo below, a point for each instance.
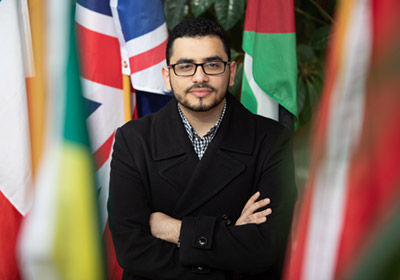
(210, 242)
(137, 251)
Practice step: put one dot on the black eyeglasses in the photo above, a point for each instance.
(186, 69)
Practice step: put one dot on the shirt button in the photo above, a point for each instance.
(202, 241)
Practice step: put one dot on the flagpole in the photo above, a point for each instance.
(127, 97)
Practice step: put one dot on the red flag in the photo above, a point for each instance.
(354, 185)
(15, 162)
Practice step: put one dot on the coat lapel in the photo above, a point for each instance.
(171, 146)
(178, 171)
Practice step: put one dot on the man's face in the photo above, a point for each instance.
(200, 92)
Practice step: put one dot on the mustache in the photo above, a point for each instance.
(200, 86)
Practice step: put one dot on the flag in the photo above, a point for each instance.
(15, 162)
(349, 221)
(101, 79)
(101, 51)
(142, 33)
(270, 63)
(61, 236)
(106, 54)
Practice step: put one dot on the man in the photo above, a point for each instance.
(186, 181)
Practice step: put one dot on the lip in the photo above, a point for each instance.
(200, 92)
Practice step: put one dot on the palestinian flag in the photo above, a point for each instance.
(270, 65)
(61, 236)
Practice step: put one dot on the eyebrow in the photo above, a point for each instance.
(185, 60)
(207, 59)
(213, 58)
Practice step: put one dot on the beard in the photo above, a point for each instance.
(200, 106)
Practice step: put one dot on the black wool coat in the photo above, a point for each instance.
(154, 168)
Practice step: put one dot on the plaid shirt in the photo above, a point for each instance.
(200, 144)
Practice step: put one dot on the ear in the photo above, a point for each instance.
(232, 73)
(165, 73)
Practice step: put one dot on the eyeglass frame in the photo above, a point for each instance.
(197, 65)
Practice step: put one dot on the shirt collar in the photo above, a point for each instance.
(192, 132)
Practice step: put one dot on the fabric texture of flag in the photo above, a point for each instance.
(349, 222)
(101, 80)
(142, 33)
(126, 39)
(15, 163)
(270, 64)
(101, 57)
(61, 236)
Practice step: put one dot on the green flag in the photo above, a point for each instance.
(270, 66)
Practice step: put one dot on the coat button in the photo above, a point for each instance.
(202, 241)
(227, 219)
(201, 270)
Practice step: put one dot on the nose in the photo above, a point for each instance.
(199, 76)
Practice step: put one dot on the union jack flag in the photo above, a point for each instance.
(118, 37)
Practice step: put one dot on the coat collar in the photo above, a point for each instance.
(168, 135)
(237, 131)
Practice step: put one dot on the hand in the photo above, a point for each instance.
(165, 227)
(248, 216)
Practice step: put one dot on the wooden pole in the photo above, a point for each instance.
(127, 97)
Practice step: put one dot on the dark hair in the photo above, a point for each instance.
(197, 27)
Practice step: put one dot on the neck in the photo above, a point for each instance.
(202, 122)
